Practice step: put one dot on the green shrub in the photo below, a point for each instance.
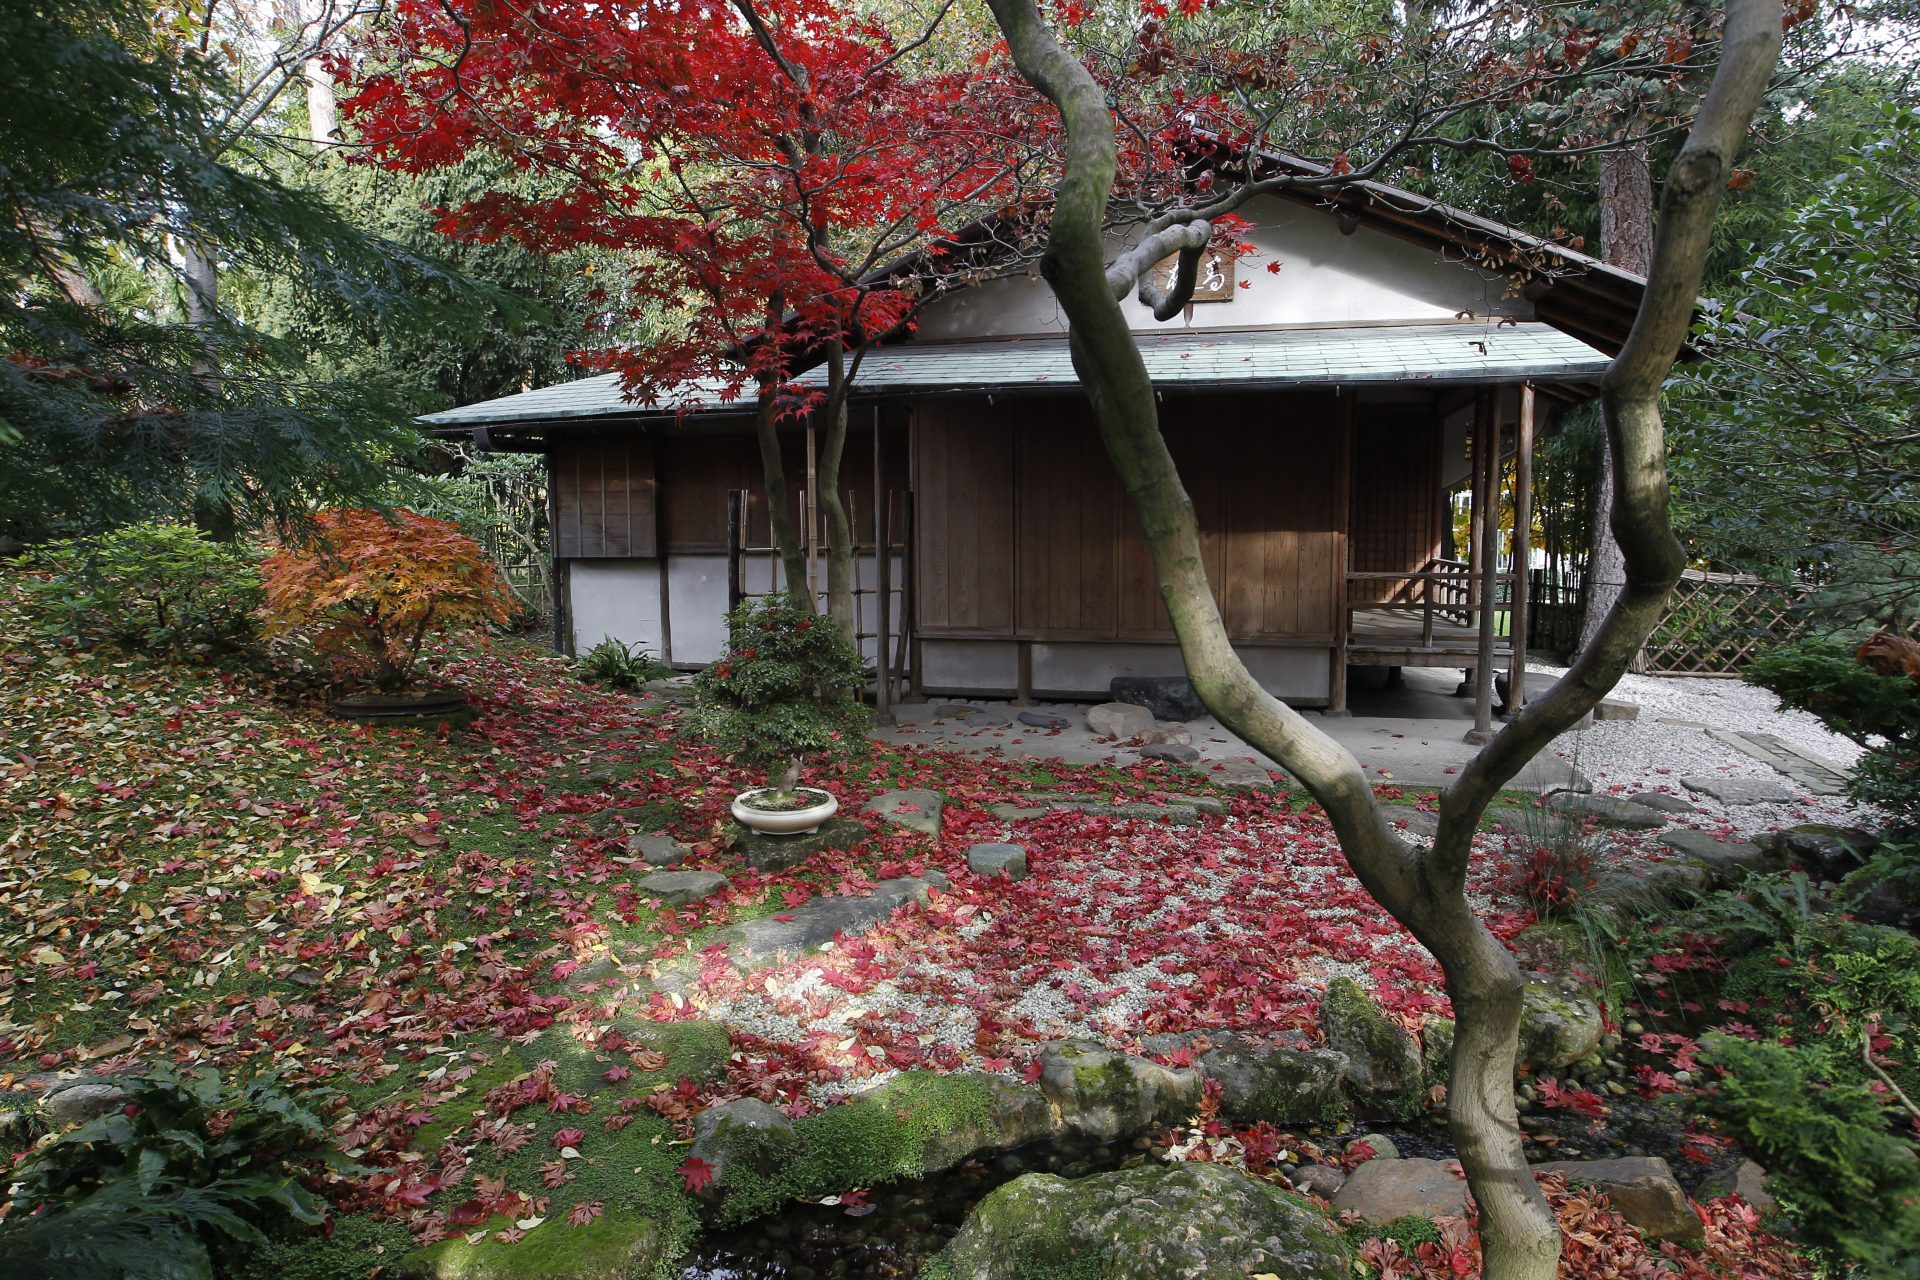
(159, 588)
(623, 666)
(190, 1170)
(783, 689)
(1833, 1159)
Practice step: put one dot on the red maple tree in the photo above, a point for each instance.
(781, 181)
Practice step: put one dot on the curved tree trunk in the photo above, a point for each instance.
(1423, 888)
(827, 475)
(1626, 240)
(773, 471)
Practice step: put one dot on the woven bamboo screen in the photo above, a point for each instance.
(1716, 623)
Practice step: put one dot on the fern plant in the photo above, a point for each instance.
(191, 1169)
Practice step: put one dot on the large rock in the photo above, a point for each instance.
(1170, 754)
(1104, 1094)
(1119, 720)
(1009, 860)
(678, 888)
(1737, 791)
(946, 1112)
(1168, 697)
(1613, 811)
(1243, 775)
(1156, 1222)
(745, 1137)
(916, 810)
(1726, 862)
(1043, 720)
(754, 944)
(1662, 801)
(78, 1103)
(1385, 1191)
(616, 1245)
(1642, 1190)
(1383, 1070)
(777, 853)
(1557, 1029)
(1280, 1084)
(1170, 735)
(1829, 851)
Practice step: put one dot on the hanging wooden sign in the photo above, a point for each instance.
(1215, 282)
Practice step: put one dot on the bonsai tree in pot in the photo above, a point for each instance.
(368, 590)
(783, 691)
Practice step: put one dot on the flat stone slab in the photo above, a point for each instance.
(1043, 720)
(1009, 860)
(1174, 815)
(1614, 811)
(1170, 752)
(916, 809)
(1737, 791)
(1243, 775)
(1662, 801)
(755, 944)
(678, 888)
(1385, 1191)
(1615, 709)
(1418, 822)
(657, 850)
(1818, 776)
(777, 853)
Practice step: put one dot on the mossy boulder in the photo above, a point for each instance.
(614, 1246)
(1104, 1094)
(1557, 1028)
(1436, 1049)
(1384, 1070)
(1156, 1222)
(743, 1140)
(1282, 1084)
(917, 1123)
(697, 1050)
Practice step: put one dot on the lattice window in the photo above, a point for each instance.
(1716, 623)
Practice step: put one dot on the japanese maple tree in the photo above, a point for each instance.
(766, 169)
(370, 590)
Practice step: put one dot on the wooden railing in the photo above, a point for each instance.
(1440, 588)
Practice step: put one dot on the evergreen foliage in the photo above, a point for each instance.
(780, 692)
(159, 588)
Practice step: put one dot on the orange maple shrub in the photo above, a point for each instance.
(370, 589)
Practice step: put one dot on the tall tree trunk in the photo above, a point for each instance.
(827, 475)
(323, 112)
(1626, 240)
(773, 470)
(1423, 888)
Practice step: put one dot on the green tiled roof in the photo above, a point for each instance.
(1191, 359)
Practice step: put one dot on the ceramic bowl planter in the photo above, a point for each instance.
(786, 820)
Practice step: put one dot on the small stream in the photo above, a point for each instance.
(910, 1222)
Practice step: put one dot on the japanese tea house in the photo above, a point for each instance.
(1324, 395)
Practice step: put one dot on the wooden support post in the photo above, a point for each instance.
(1023, 679)
(1486, 434)
(883, 581)
(736, 532)
(810, 506)
(1522, 551)
(1342, 611)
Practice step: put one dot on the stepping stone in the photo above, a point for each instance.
(1170, 753)
(1738, 791)
(755, 944)
(1725, 861)
(988, 718)
(1172, 735)
(1009, 860)
(1243, 775)
(916, 809)
(1662, 801)
(678, 888)
(1519, 822)
(1042, 720)
(1818, 776)
(777, 853)
(1418, 822)
(1119, 720)
(1168, 697)
(955, 711)
(658, 850)
(1613, 709)
(1614, 811)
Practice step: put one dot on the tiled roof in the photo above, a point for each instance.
(1434, 353)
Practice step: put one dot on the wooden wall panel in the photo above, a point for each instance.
(963, 478)
(1027, 487)
(604, 498)
(698, 471)
(1397, 504)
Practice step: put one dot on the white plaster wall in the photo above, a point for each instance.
(959, 667)
(697, 601)
(618, 598)
(1325, 278)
